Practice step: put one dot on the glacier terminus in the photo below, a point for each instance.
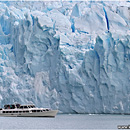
(68, 55)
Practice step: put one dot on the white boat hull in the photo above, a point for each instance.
(51, 113)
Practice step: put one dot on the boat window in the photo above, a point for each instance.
(38, 110)
(18, 105)
(3, 111)
(12, 106)
(8, 106)
(27, 111)
(32, 106)
(25, 107)
(21, 107)
(33, 110)
(20, 111)
(6, 112)
(5, 106)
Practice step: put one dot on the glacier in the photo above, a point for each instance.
(68, 55)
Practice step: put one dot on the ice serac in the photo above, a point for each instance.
(71, 56)
(106, 69)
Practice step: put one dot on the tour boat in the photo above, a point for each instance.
(18, 110)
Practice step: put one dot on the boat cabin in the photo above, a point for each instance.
(18, 106)
(27, 106)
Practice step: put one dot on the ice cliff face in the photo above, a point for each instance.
(71, 56)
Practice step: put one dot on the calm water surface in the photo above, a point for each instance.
(64, 121)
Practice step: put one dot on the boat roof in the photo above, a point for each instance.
(11, 104)
(27, 105)
(21, 105)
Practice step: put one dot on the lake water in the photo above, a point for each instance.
(65, 121)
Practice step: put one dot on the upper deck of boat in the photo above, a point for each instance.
(26, 108)
(18, 106)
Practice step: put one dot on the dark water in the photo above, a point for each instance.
(64, 121)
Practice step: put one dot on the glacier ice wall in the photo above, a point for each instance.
(71, 56)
